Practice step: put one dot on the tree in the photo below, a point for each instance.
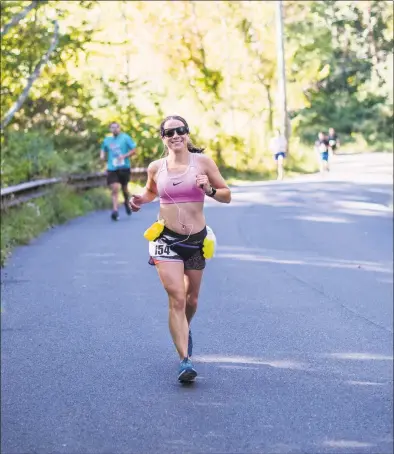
(15, 19)
(340, 41)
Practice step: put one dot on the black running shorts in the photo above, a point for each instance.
(174, 247)
(121, 176)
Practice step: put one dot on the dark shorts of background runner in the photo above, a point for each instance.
(281, 153)
(324, 156)
(121, 176)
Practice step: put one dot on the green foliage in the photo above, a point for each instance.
(24, 156)
(19, 225)
(57, 119)
(217, 67)
(350, 40)
(139, 126)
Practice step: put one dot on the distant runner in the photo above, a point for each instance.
(278, 146)
(322, 147)
(333, 140)
(116, 150)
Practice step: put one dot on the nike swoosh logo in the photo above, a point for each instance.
(176, 184)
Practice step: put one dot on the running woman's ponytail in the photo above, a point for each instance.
(192, 148)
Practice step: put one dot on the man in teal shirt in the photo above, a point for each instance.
(116, 150)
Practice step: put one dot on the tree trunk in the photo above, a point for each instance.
(270, 107)
(218, 148)
(18, 17)
(30, 81)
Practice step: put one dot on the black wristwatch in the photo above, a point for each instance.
(213, 192)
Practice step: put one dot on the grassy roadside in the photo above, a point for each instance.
(19, 225)
(301, 160)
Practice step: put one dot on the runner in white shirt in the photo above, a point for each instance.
(278, 146)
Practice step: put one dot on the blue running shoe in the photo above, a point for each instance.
(187, 373)
(190, 344)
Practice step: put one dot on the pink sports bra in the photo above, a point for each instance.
(179, 188)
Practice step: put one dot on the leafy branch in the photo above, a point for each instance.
(18, 17)
(32, 78)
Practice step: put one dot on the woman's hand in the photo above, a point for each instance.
(135, 202)
(202, 182)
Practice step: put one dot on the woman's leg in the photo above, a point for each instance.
(172, 277)
(192, 286)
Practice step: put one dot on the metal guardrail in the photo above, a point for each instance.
(21, 193)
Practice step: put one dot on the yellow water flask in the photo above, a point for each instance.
(209, 245)
(154, 230)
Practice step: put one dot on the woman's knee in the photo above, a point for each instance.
(192, 300)
(177, 303)
(176, 297)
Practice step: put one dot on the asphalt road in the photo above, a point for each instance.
(293, 337)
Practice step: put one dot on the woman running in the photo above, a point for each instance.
(181, 180)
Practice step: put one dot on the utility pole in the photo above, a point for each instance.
(229, 93)
(284, 122)
(127, 55)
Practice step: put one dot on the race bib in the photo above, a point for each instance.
(118, 162)
(160, 249)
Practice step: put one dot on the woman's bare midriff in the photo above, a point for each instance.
(190, 214)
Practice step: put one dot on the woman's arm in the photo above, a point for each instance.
(150, 191)
(213, 182)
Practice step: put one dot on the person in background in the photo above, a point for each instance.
(333, 140)
(322, 147)
(278, 147)
(116, 150)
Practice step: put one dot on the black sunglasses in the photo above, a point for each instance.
(181, 131)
